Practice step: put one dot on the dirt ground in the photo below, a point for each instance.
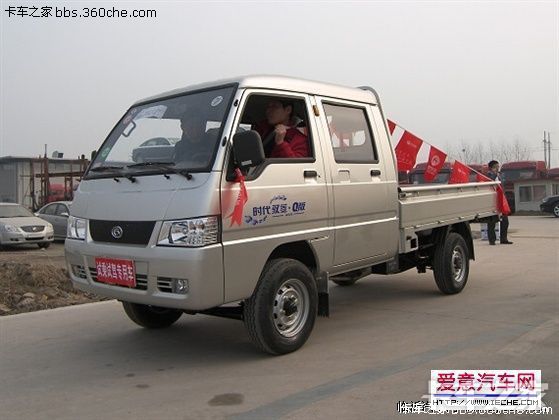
(32, 279)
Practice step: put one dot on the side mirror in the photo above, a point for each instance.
(248, 149)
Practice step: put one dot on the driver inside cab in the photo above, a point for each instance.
(193, 145)
(280, 136)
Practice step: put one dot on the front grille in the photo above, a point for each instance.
(35, 239)
(141, 279)
(136, 233)
(33, 229)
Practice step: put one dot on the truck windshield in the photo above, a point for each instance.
(170, 135)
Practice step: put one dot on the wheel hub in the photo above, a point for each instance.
(291, 308)
(458, 264)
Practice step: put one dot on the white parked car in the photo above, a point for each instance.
(19, 226)
(156, 149)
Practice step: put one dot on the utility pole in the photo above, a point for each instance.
(549, 148)
(546, 149)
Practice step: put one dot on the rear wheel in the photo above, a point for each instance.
(151, 316)
(451, 264)
(280, 314)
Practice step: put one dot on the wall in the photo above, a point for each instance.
(528, 194)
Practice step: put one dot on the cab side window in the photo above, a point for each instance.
(281, 122)
(350, 134)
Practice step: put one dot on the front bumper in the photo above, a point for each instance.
(155, 266)
(20, 238)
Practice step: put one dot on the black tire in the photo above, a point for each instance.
(451, 264)
(43, 245)
(556, 210)
(152, 317)
(280, 314)
(345, 283)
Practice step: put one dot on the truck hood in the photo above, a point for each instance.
(151, 197)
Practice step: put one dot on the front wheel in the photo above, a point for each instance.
(556, 210)
(43, 245)
(451, 264)
(151, 316)
(280, 314)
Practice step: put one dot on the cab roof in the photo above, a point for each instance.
(284, 83)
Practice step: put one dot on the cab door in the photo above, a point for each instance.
(365, 222)
(286, 202)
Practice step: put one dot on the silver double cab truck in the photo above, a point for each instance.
(244, 198)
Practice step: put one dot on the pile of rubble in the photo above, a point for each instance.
(27, 287)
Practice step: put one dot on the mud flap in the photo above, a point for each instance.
(323, 295)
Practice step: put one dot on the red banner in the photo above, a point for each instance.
(237, 214)
(502, 203)
(391, 126)
(435, 163)
(406, 151)
(460, 173)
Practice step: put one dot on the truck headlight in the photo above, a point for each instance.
(197, 232)
(49, 228)
(545, 200)
(77, 228)
(11, 229)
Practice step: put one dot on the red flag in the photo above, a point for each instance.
(391, 126)
(237, 213)
(460, 173)
(406, 151)
(435, 163)
(502, 203)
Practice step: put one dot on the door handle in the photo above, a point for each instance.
(310, 174)
(375, 172)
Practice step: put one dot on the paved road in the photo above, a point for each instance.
(377, 348)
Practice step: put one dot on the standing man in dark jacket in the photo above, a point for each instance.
(494, 175)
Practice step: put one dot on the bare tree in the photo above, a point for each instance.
(520, 151)
(483, 152)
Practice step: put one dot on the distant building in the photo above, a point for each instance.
(528, 193)
(34, 182)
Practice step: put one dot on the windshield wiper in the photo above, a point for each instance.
(168, 166)
(113, 168)
(105, 168)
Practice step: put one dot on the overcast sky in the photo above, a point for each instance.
(448, 71)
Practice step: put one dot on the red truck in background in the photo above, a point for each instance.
(553, 173)
(60, 192)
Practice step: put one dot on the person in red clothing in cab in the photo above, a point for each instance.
(279, 132)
